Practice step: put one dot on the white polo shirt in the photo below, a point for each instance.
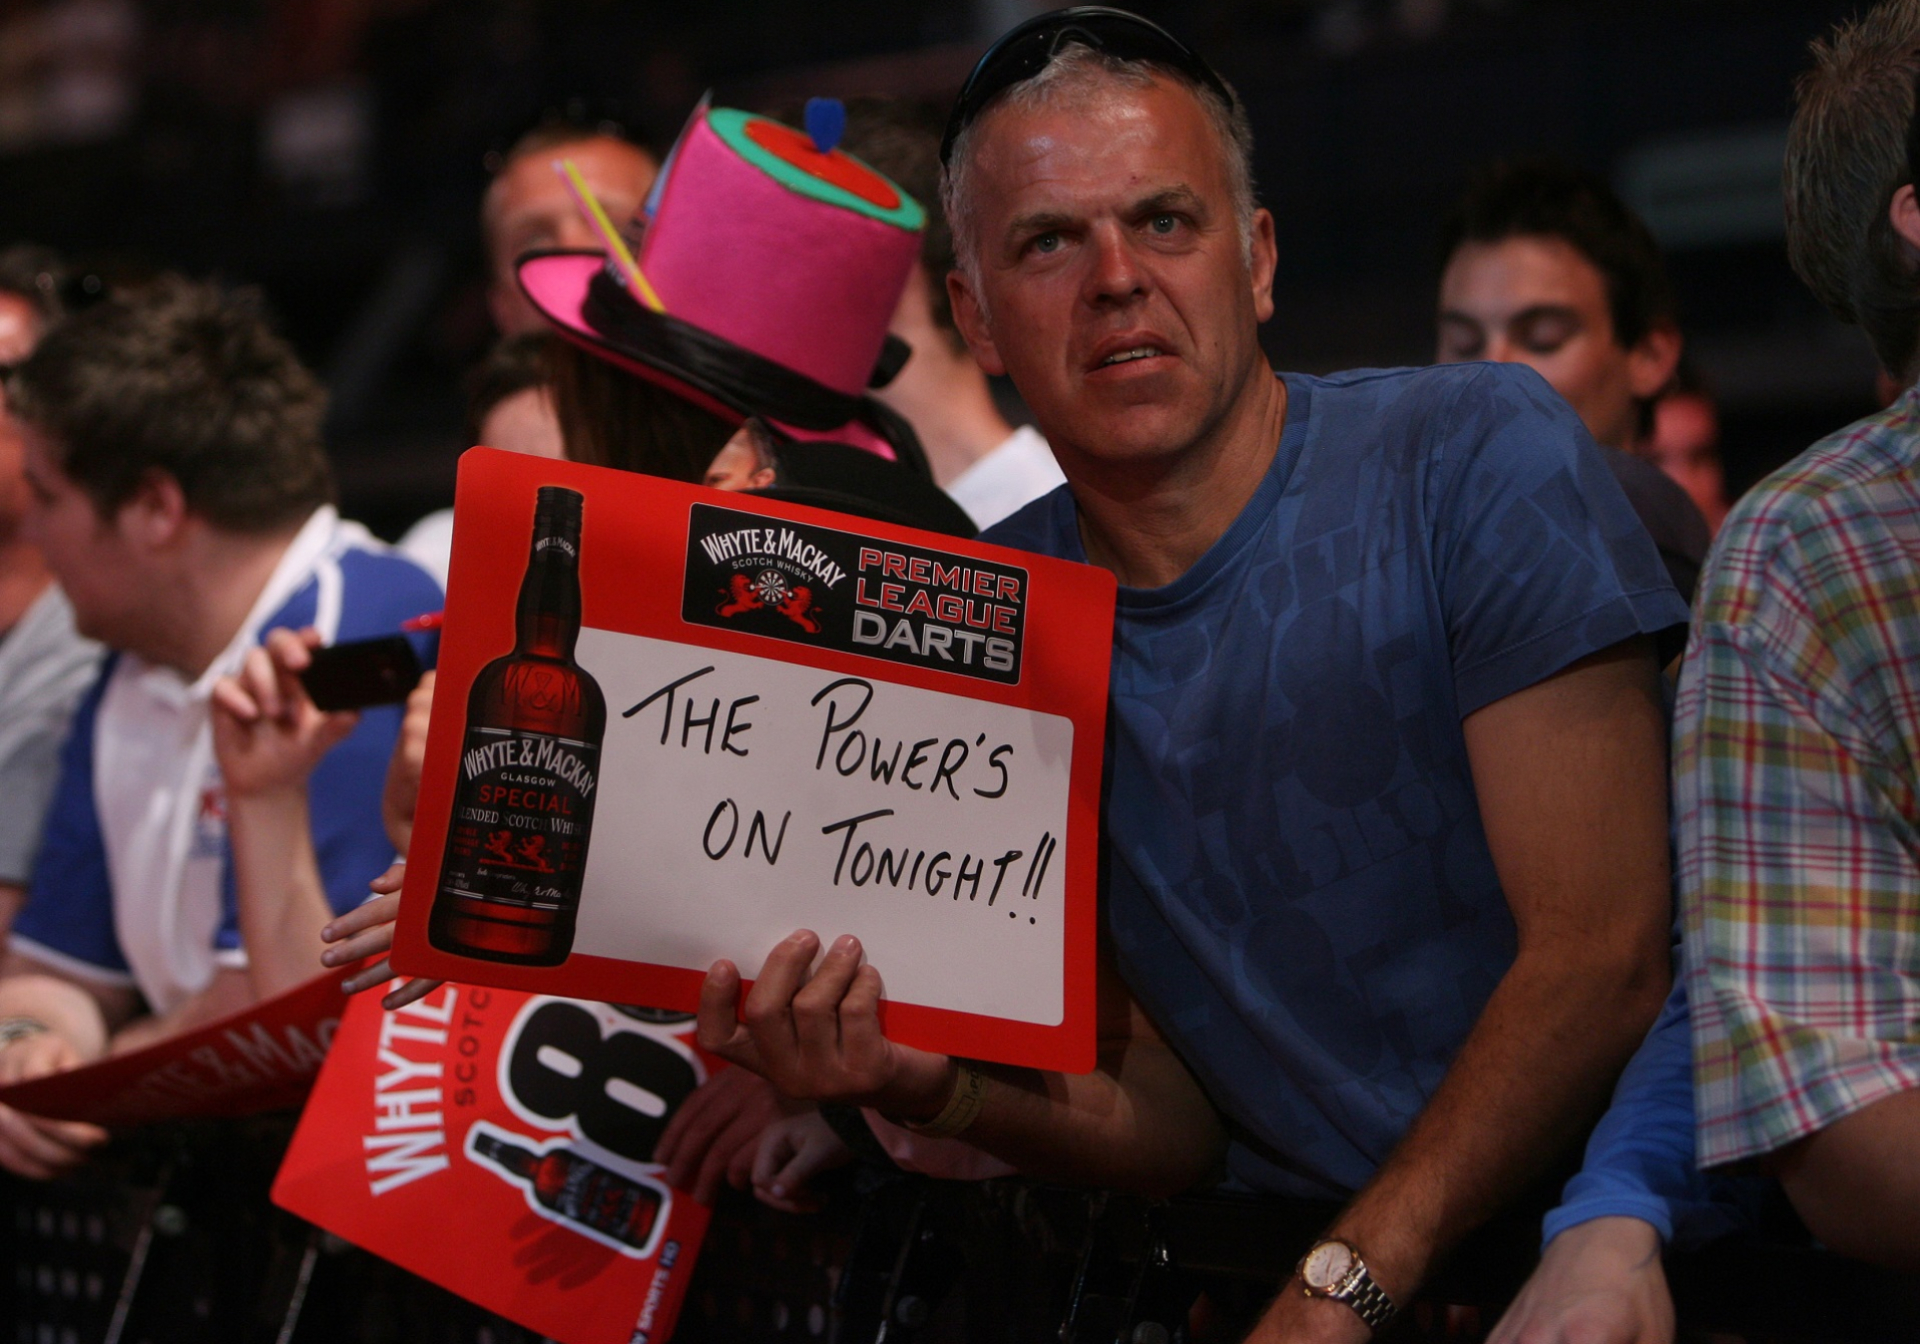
(134, 882)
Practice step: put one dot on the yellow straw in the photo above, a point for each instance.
(616, 245)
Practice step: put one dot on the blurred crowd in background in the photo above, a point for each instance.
(332, 153)
(1592, 190)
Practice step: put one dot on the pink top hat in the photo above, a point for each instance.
(779, 260)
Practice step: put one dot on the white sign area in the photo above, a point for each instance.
(742, 798)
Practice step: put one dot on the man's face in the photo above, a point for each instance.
(19, 333)
(1538, 301)
(97, 565)
(528, 206)
(738, 466)
(1685, 444)
(1115, 287)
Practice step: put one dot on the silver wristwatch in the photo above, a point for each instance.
(1333, 1269)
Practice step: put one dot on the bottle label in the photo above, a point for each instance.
(594, 1197)
(521, 817)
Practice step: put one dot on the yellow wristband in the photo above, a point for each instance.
(962, 1108)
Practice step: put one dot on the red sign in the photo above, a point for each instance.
(261, 1059)
(500, 1144)
(674, 725)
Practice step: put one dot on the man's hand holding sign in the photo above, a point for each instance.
(1138, 1121)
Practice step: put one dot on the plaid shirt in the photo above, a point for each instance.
(1797, 789)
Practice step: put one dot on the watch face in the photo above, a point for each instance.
(1326, 1264)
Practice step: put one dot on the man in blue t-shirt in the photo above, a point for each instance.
(181, 497)
(1386, 825)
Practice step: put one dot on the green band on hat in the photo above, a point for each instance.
(862, 190)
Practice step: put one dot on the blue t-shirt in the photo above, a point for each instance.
(357, 591)
(1298, 887)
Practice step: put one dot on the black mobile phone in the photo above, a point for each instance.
(362, 672)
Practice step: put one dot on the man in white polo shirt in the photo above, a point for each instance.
(181, 497)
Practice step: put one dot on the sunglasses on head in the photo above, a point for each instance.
(1025, 51)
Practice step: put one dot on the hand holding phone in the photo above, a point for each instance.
(267, 733)
(361, 673)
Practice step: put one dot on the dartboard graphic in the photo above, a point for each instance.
(771, 587)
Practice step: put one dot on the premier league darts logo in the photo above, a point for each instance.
(893, 600)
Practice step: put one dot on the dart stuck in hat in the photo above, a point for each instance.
(777, 260)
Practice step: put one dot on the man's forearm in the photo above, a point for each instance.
(1139, 1123)
(228, 992)
(1856, 1183)
(1535, 1070)
(283, 904)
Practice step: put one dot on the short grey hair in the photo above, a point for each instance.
(1076, 74)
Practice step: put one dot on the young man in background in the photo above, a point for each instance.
(181, 497)
(1546, 267)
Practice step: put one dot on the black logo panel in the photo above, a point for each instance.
(888, 600)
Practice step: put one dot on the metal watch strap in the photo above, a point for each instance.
(1367, 1298)
(1355, 1288)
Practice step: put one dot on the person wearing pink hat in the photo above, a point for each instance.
(773, 261)
(776, 261)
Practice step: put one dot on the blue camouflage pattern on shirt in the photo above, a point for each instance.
(1299, 891)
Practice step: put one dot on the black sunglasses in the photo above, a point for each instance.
(1025, 51)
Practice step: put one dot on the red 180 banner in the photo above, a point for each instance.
(500, 1144)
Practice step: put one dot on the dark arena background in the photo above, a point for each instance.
(333, 154)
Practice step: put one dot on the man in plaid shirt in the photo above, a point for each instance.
(1798, 798)
(1797, 793)
(1797, 769)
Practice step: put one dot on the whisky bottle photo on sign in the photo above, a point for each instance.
(578, 1189)
(516, 850)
